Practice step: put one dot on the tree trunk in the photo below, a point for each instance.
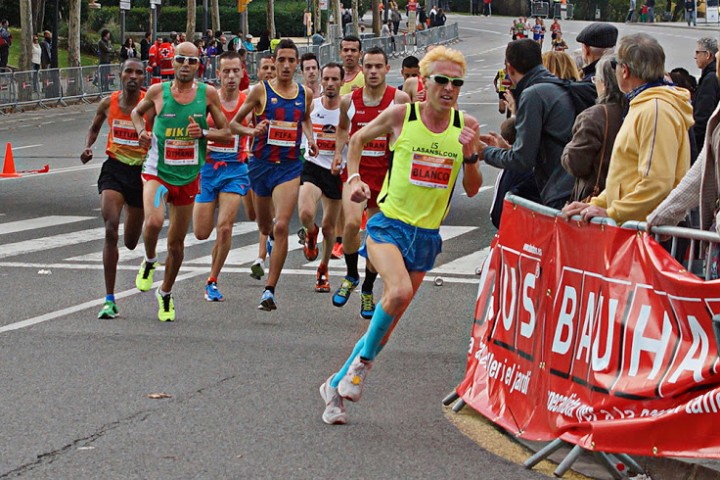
(215, 11)
(190, 25)
(271, 17)
(74, 33)
(376, 18)
(37, 15)
(355, 27)
(26, 33)
(337, 14)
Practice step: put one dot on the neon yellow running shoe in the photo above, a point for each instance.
(144, 279)
(166, 307)
(109, 310)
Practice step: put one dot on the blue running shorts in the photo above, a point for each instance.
(265, 176)
(418, 246)
(230, 177)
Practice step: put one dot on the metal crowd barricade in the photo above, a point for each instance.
(691, 247)
(8, 95)
(71, 81)
(27, 87)
(50, 85)
(90, 80)
(328, 53)
(55, 85)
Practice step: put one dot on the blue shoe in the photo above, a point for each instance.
(212, 294)
(341, 296)
(367, 305)
(269, 246)
(267, 302)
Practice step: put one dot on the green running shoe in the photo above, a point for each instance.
(144, 279)
(166, 307)
(342, 294)
(109, 310)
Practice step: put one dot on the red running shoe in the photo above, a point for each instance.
(311, 248)
(337, 251)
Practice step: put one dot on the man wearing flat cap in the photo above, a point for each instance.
(596, 40)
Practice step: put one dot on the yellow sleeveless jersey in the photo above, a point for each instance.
(423, 171)
(357, 81)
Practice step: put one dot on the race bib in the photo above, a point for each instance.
(181, 152)
(376, 147)
(123, 133)
(431, 171)
(282, 134)
(325, 143)
(220, 147)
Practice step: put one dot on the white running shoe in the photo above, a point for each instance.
(334, 413)
(351, 385)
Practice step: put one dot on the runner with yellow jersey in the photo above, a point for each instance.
(431, 143)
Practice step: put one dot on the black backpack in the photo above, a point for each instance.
(583, 94)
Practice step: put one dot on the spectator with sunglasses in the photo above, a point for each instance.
(178, 143)
(547, 105)
(431, 142)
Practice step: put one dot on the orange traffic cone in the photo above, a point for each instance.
(9, 166)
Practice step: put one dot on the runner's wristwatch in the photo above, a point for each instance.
(472, 159)
(205, 133)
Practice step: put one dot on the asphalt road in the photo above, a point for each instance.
(242, 384)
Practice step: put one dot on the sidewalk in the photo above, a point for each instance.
(681, 24)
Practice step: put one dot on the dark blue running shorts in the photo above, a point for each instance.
(265, 176)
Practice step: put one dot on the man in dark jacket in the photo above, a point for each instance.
(596, 40)
(5, 42)
(707, 94)
(105, 53)
(46, 50)
(538, 104)
(145, 44)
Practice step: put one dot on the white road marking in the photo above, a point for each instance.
(39, 222)
(27, 146)
(239, 228)
(54, 241)
(460, 266)
(447, 232)
(83, 306)
(191, 268)
(56, 171)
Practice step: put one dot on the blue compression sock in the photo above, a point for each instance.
(160, 194)
(110, 298)
(379, 326)
(341, 373)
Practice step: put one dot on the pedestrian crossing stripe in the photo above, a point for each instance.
(237, 257)
(39, 222)
(239, 228)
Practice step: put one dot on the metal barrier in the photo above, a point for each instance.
(44, 87)
(701, 257)
(696, 250)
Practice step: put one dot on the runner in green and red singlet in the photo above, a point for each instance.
(177, 152)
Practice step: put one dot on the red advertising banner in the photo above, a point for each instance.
(595, 335)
